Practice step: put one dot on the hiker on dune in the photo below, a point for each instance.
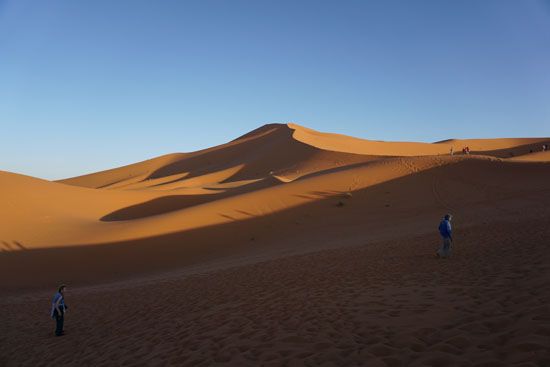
(58, 309)
(445, 230)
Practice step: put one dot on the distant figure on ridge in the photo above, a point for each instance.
(445, 230)
(452, 152)
(58, 309)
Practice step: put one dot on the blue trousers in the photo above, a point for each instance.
(59, 319)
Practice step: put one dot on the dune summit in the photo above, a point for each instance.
(287, 246)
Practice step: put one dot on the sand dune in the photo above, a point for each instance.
(275, 169)
(316, 247)
(263, 172)
(533, 157)
(291, 148)
(342, 143)
(270, 148)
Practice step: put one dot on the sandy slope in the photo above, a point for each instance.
(380, 304)
(532, 157)
(285, 245)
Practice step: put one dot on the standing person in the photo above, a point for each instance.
(452, 152)
(445, 230)
(58, 309)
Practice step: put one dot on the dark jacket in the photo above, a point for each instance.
(445, 229)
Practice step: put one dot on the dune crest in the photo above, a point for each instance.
(342, 143)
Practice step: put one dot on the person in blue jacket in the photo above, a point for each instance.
(446, 231)
(58, 309)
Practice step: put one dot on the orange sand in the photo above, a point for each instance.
(286, 246)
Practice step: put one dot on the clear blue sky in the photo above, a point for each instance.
(90, 85)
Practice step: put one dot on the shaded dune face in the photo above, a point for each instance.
(170, 203)
(281, 186)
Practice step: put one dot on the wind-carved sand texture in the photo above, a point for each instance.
(285, 246)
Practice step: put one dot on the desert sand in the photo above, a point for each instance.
(284, 247)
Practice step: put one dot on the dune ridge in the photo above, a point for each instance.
(280, 147)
